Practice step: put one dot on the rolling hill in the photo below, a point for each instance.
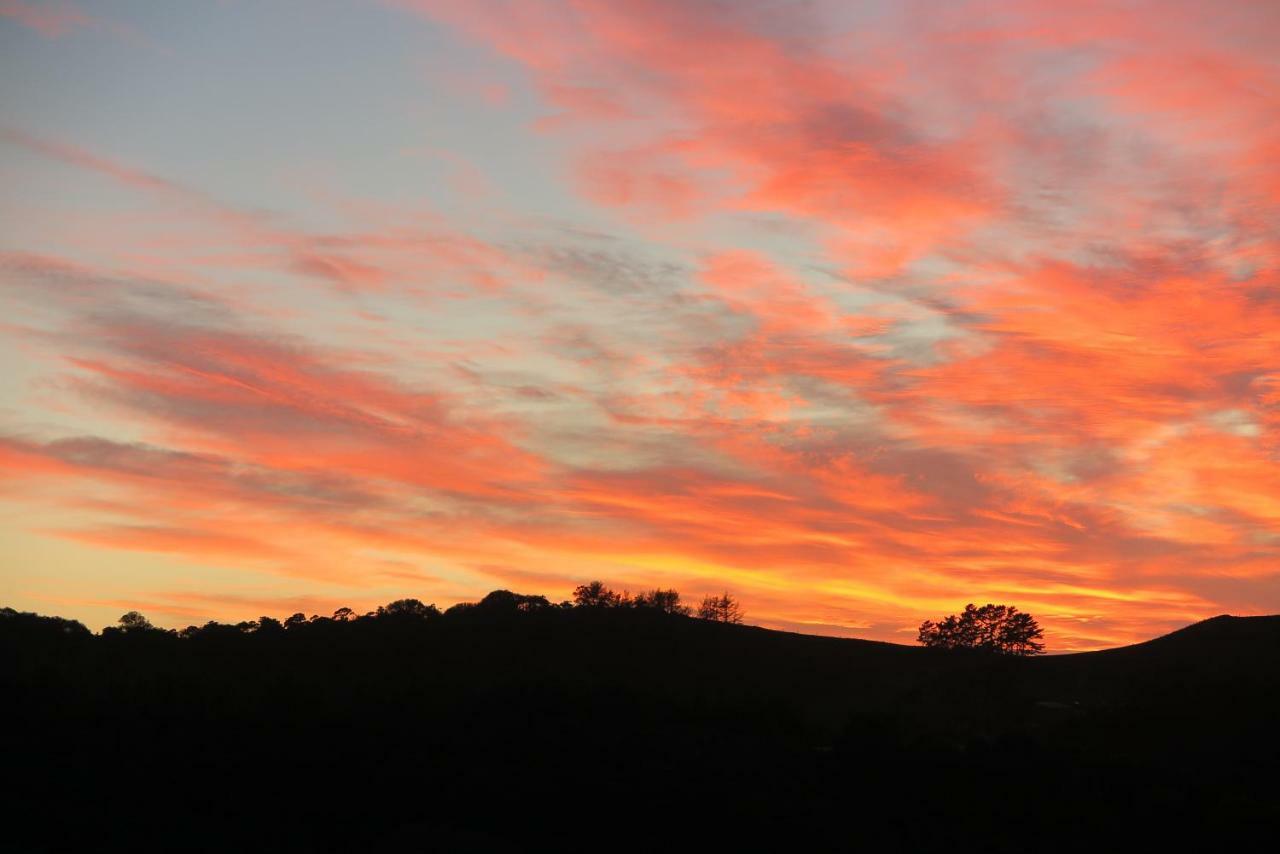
(499, 728)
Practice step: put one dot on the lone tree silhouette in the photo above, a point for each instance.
(1000, 629)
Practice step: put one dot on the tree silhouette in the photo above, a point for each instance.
(999, 629)
(409, 609)
(505, 602)
(269, 626)
(596, 595)
(135, 622)
(665, 601)
(720, 609)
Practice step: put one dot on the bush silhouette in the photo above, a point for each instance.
(999, 629)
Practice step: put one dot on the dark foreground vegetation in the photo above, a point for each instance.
(515, 724)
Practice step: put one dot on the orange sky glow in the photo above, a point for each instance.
(860, 311)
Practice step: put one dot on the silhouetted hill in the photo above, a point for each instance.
(1204, 663)
(515, 724)
(1221, 637)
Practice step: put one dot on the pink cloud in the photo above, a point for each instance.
(48, 19)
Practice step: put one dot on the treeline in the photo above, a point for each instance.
(498, 605)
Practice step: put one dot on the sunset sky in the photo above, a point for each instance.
(859, 310)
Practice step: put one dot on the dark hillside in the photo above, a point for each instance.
(1190, 666)
(516, 725)
(1216, 641)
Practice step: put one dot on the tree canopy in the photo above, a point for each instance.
(135, 622)
(1001, 629)
(595, 595)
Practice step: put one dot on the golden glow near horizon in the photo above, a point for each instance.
(862, 311)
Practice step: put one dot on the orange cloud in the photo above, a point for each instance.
(814, 138)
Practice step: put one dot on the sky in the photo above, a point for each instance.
(860, 311)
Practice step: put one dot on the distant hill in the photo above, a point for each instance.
(514, 726)
(1221, 635)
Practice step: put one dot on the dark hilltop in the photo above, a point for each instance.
(517, 724)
